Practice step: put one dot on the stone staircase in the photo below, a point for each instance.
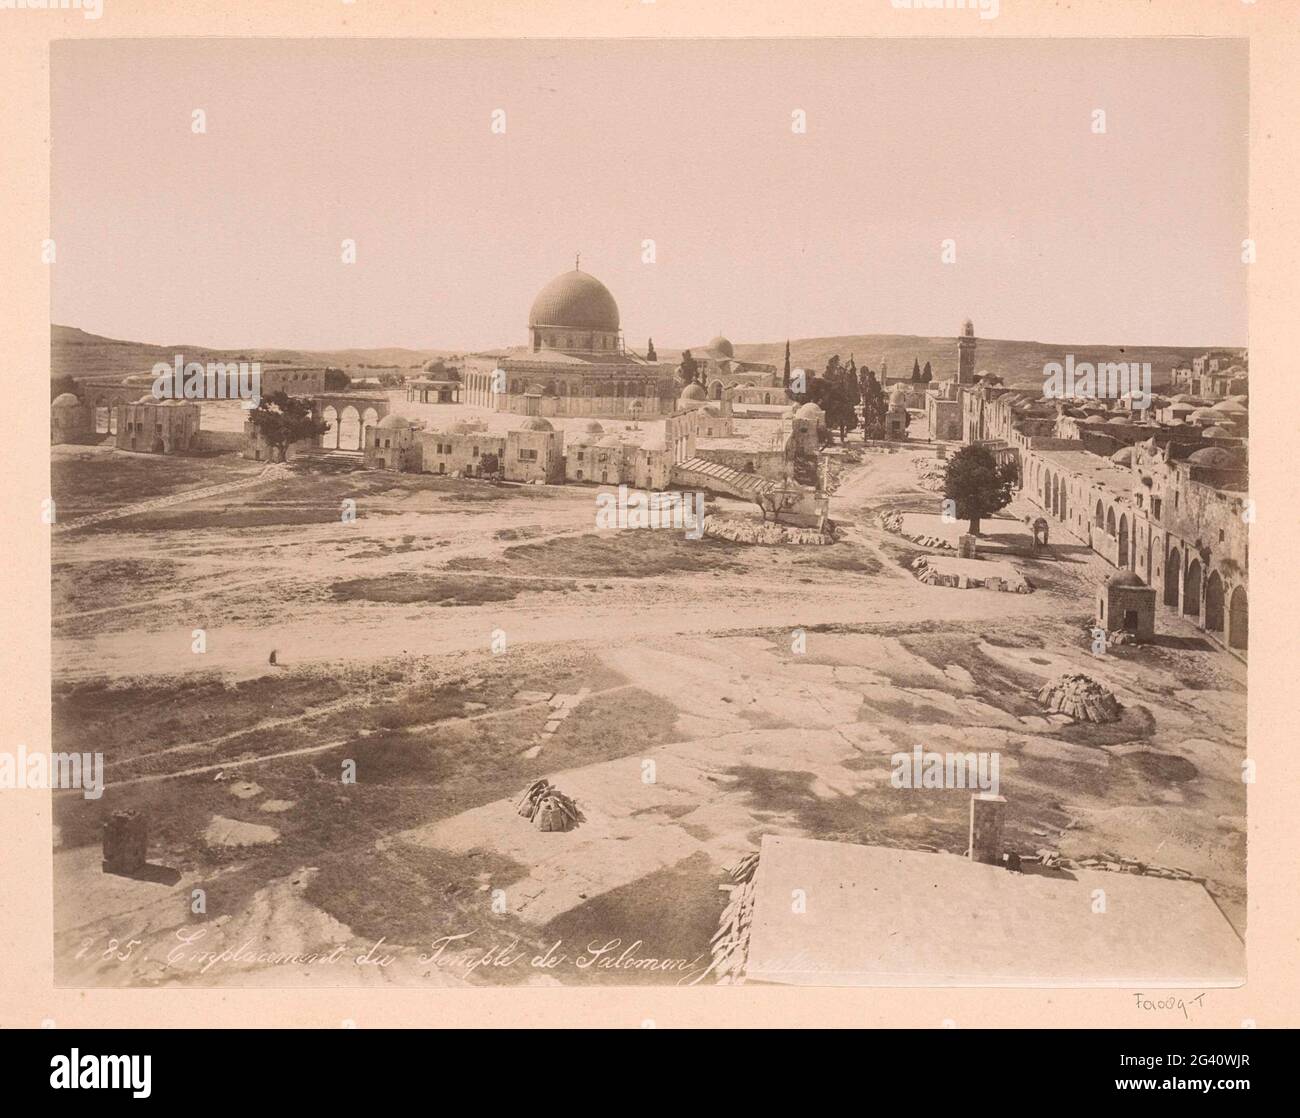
(721, 479)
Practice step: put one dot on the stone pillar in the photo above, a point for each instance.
(967, 546)
(987, 815)
(126, 842)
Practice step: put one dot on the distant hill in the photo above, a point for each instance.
(1019, 364)
(76, 353)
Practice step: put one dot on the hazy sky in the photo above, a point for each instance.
(232, 238)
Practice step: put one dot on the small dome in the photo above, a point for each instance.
(721, 345)
(536, 423)
(694, 391)
(148, 398)
(1123, 456)
(1217, 433)
(594, 428)
(810, 411)
(1184, 398)
(1124, 578)
(392, 420)
(1213, 457)
(898, 396)
(1119, 419)
(1094, 420)
(65, 400)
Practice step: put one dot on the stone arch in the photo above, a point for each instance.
(350, 429)
(1173, 571)
(1123, 542)
(330, 438)
(1110, 523)
(1192, 589)
(369, 420)
(1214, 599)
(715, 390)
(1100, 516)
(1238, 618)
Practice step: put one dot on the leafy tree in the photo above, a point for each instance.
(281, 420)
(689, 369)
(977, 484)
(874, 408)
(916, 369)
(840, 414)
(336, 380)
(650, 354)
(926, 374)
(832, 367)
(488, 466)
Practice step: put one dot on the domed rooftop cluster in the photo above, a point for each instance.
(576, 301)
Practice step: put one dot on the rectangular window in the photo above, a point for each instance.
(528, 456)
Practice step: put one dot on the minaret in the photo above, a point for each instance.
(966, 354)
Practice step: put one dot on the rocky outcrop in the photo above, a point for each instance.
(1080, 697)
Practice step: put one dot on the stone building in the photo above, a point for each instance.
(943, 412)
(896, 418)
(575, 363)
(533, 452)
(393, 444)
(1125, 603)
(157, 426)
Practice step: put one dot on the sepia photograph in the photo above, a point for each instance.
(692, 513)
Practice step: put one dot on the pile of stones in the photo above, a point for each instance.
(1081, 697)
(893, 522)
(549, 809)
(930, 474)
(932, 573)
(730, 944)
(751, 531)
(1113, 863)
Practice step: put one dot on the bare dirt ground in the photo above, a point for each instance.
(659, 681)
